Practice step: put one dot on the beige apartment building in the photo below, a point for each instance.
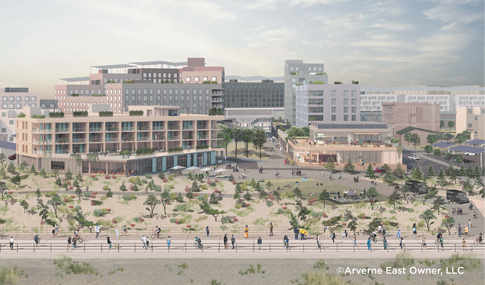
(420, 118)
(92, 144)
(470, 119)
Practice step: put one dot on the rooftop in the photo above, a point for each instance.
(464, 148)
(349, 125)
(160, 62)
(408, 129)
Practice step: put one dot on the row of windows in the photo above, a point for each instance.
(166, 91)
(170, 98)
(309, 68)
(281, 86)
(196, 78)
(234, 105)
(17, 106)
(159, 75)
(19, 98)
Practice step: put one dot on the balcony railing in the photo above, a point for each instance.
(202, 137)
(60, 141)
(158, 128)
(202, 127)
(112, 129)
(42, 130)
(127, 139)
(143, 128)
(174, 127)
(188, 138)
(91, 140)
(62, 151)
(173, 138)
(42, 141)
(143, 139)
(188, 128)
(62, 130)
(158, 138)
(127, 129)
(79, 140)
(78, 130)
(112, 140)
(95, 129)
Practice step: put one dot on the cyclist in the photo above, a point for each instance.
(438, 237)
(480, 238)
(199, 243)
(285, 240)
(157, 231)
(373, 236)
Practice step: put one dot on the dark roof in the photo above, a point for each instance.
(476, 141)
(351, 126)
(8, 145)
(464, 148)
(113, 66)
(74, 79)
(408, 129)
(442, 144)
(159, 62)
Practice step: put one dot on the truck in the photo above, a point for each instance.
(417, 187)
(457, 196)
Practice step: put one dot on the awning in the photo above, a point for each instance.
(442, 144)
(471, 149)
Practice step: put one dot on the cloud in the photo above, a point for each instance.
(309, 3)
(393, 26)
(263, 4)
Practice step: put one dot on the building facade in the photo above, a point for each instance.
(298, 73)
(264, 94)
(14, 99)
(327, 102)
(468, 118)
(177, 139)
(425, 116)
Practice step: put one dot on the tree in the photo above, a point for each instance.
(441, 178)
(225, 135)
(462, 170)
(415, 139)
(213, 199)
(189, 194)
(237, 195)
(388, 178)
(3, 189)
(437, 152)
(370, 172)
(42, 173)
(195, 187)
(55, 202)
(247, 137)
(404, 192)
(303, 211)
(476, 172)
(431, 139)
(480, 185)
(152, 202)
(324, 196)
(262, 195)
(79, 176)
(428, 149)
(453, 175)
(427, 216)
(451, 124)
(247, 196)
(394, 198)
(353, 220)
(43, 209)
(56, 173)
(82, 221)
(206, 209)
(442, 124)
(438, 204)
(68, 174)
(236, 134)
(439, 136)
(161, 175)
(432, 192)
(297, 193)
(349, 167)
(469, 172)
(408, 137)
(399, 173)
(33, 170)
(259, 138)
(467, 186)
(417, 174)
(448, 156)
(294, 132)
(330, 165)
(372, 194)
(22, 166)
(11, 168)
(16, 179)
(2, 158)
(24, 205)
(461, 138)
(3, 173)
(430, 171)
(447, 136)
(38, 193)
(448, 223)
(269, 185)
(165, 198)
(277, 196)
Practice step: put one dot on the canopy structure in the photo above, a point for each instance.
(206, 169)
(359, 157)
(442, 145)
(219, 170)
(178, 167)
(476, 141)
(464, 148)
(193, 168)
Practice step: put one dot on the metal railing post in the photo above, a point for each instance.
(118, 247)
(51, 247)
(337, 247)
(303, 247)
(101, 247)
(135, 247)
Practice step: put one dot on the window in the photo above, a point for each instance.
(353, 93)
(5, 98)
(59, 165)
(469, 111)
(27, 105)
(188, 79)
(27, 98)
(10, 122)
(10, 138)
(4, 130)
(346, 93)
(469, 125)
(346, 109)
(334, 118)
(354, 118)
(334, 92)
(19, 106)
(197, 79)
(334, 109)
(413, 110)
(12, 99)
(206, 79)
(144, 75)
(346, 117)
(346, 101)
(4, 106)
(354, 101)
(334, 101)
(354, 109)
(214, 78)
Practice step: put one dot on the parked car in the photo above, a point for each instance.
(457, 196)
(413, 157)
(13, 157)
(468, 161)
(470, 153)
(416, 186)
(378, 169)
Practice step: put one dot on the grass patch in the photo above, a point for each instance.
(11, 275)
(68, 266)
(314, 278)
(468, 261)
(403, 259)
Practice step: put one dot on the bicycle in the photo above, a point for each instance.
(79, 240)
(154, 236)
(477, 241)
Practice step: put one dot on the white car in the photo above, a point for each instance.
(470, 153)
(413, 157)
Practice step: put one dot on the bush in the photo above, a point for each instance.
(269, 203)
(135, 113)
(106, 187)
(238, 206)
(148, 176)
(98, 212)
(203, 186)
(126, 197)
(144, 181)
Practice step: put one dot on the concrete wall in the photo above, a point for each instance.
(419, 115)
(467, 119)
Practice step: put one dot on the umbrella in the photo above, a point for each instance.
(219, 170)
(205, 169)
(359, 157)
(193, 168)
(178, 167)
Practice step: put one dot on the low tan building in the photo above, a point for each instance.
(468, 118)
(160, 136)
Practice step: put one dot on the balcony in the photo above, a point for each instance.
(78, 140)
(79, 130)
(95, 129)
(202, 137)
(143, 128)
(127, 129)
(188, 137)
(41, 131)
(158, 128)
(112, 140)
(62, 130)
(62, 141)
(128, 139)
(93, 140)
(112, 129)
(185, 128)
(173, 138)
(143, 139)
(174, 127)
(217, 99)
(158, 138)
(40, 141)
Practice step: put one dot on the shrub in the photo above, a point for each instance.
(97, 212)
(106, 187)
(107, 177)
(203, 186)
(269, 203)
(144, 181)
(148, 176)
(238, 206)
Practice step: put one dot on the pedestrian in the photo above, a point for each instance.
(148, 241)
(398, 233)
(246, 232)
(207, 230)
(69, 240)
(144, 240)
(385, 243)
(117, 232)
(11, 243)
(302, 233)
(225, 241)
(424, 243)
(36, 239)
(296, 231)
(459, 230)
(355, 239)
(318, 242)
(124, 230)
(415, 233)
(464, 245)
(74, 241)
(109, 242)
(369, 245)
(469, 223)
(372, 183)
(327, 231)
(233, 241)
(333, 237)
(401, 243)
(322, 173)
(466, 231)
(53, 231)
(57, 230)
(169, 242)
(270, 229)
(441, 242)
(96, 229)
(260, 242)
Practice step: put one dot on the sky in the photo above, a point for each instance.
(378, 43)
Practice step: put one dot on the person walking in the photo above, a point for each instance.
(117, 232)
(464, 245)
(398, 233)
(36, 239)
(302, 233)
(57, 230)
(74, 241)
(96, 229)
(69, 240)
(327, 231)
(401, 243)
(469, 223)
(296, 231)
(148, 242)
(415, 233)
(246, 232)
(323, 173)
(441, 242)
(466, 231)
(384, 241)
(124, 230)
(207, 230)
(53, 231)
(459, 230)
(270, 229)
(225, 241)
(333, 237)
(144, 240)
(109, 241)
(233, 241)
(11, 243)
(318, 242)
(424, 243)
(169, 242)
(260, 242)
(355, 239)
(369, 245)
